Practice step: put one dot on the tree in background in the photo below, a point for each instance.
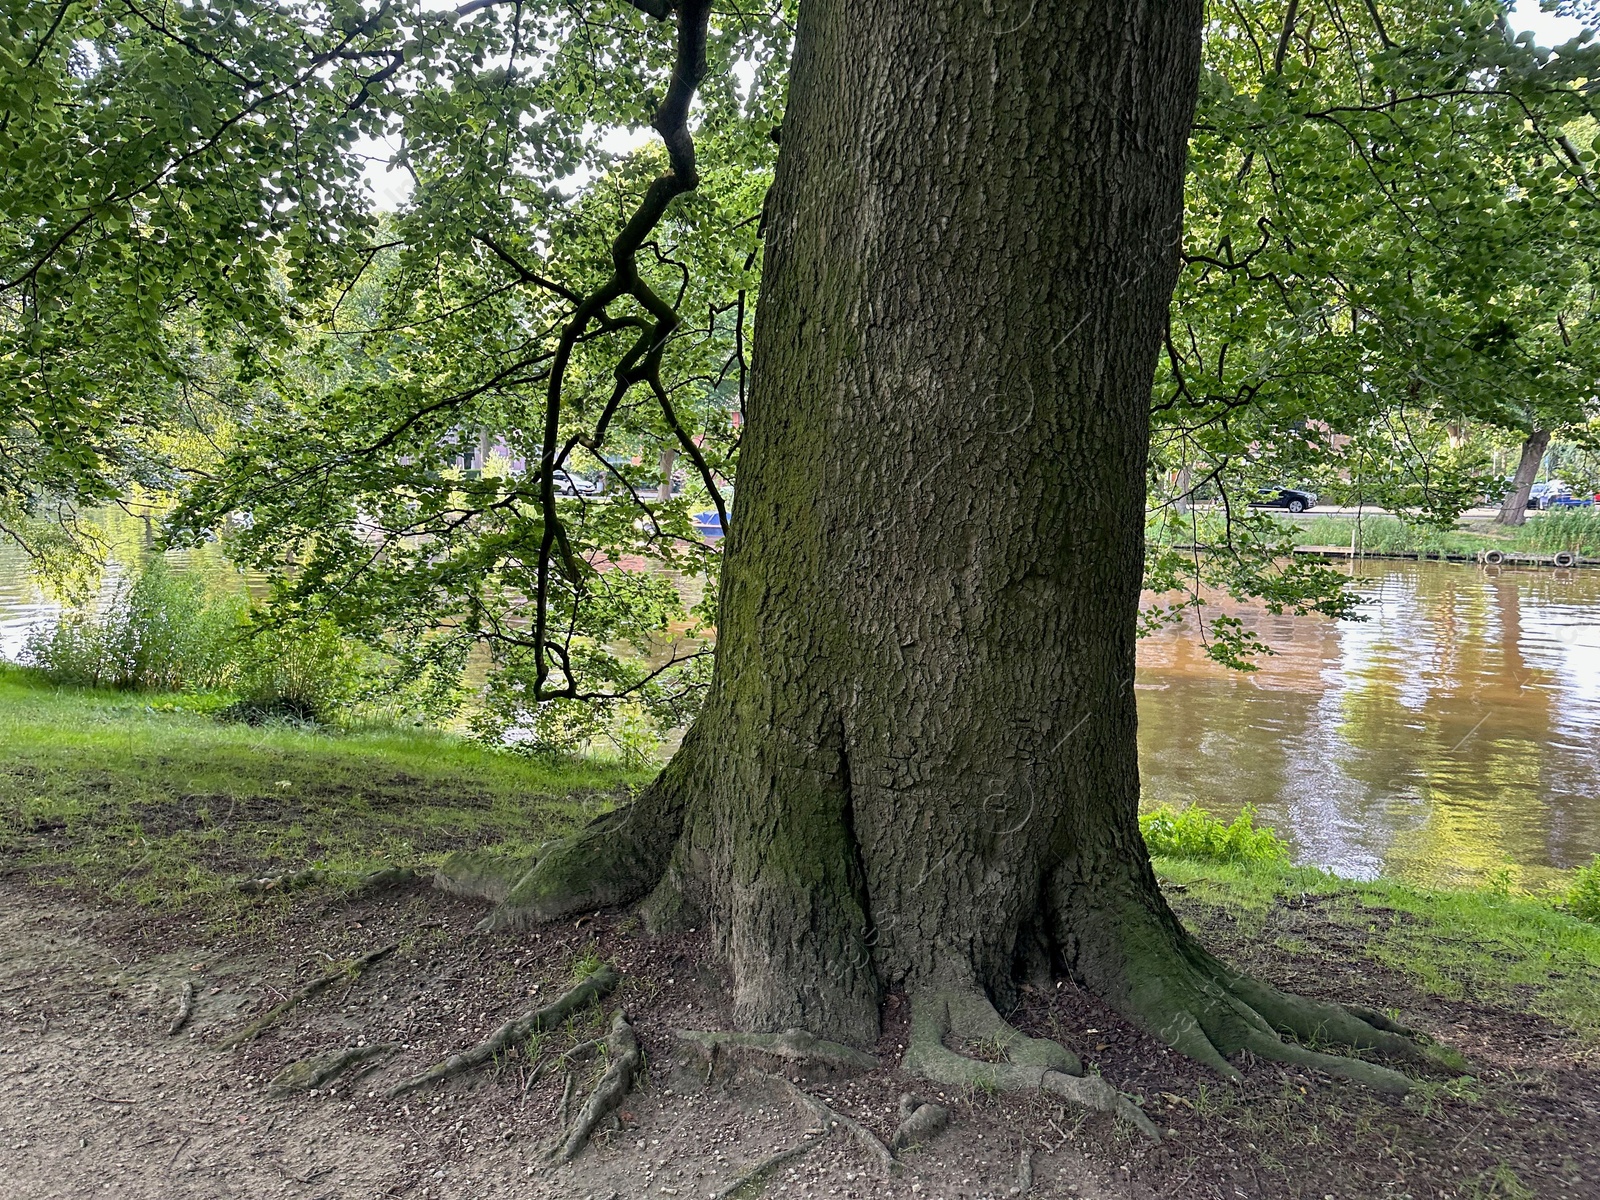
(1390, 235)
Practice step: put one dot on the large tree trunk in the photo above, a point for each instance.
(1514, 508)
(923, 722)
(916, 768)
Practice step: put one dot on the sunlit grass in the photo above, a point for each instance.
(1520, 951)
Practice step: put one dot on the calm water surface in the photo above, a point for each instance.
(1454, 732)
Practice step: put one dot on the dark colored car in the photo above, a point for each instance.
(1293, 499)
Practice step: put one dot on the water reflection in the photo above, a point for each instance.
(1455, 732)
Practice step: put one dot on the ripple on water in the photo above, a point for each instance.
(1454, 731)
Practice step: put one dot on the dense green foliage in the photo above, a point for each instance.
(157, 632)
(163, 632)
(1388, 253)
(1583, 899)
(1390, 248)
(1194, 833)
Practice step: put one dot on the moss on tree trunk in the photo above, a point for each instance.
(917, 765)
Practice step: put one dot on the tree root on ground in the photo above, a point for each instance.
(1024, 1183)
(829, 1116)
(592, 988)
(1030, 1064)
(350, 971)
(370, 881)
(1215, 1012)
(313, 1072)
(185, 1008)
(564, 1062)
(793, 1047)
(482, 874)
(920, 1122)
(749, 1184)
(622, 1049)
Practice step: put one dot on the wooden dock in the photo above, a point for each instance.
(1560, 560)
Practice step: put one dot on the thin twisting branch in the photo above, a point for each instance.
(671, 121)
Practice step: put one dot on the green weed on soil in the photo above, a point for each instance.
(1522, 952)
(152, 799)
(1194, 833)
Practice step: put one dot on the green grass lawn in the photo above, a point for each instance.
(152, 799)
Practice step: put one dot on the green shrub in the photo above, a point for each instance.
(303, 669)
(157, 632)
(1583, 897)
(1194, 833)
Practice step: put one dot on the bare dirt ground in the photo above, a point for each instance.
(97, 1099)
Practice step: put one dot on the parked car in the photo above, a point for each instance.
(1568, 502)
(1294, 499)
(574, 485)
(1543, 495)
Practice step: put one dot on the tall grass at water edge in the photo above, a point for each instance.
(163, 632)
(1545, 533)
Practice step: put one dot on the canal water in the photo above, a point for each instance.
(1452, 734)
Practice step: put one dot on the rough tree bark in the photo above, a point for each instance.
(1514, 507)
(917, 768)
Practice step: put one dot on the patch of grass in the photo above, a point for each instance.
(153, 800)
(1583, 898)
(586, 962)
(1195, 834)
(1510, 950)
(1499, 1183)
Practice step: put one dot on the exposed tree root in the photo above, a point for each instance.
(565, 1062)
(371, 881)
(749, 1184)
(625, 1057)
(793, 1047)
(1209, 1013)
(185, 1008)
(347, 971)
(594, 987)
(313, 1072)
(829, 1116)
(616, 858)
(1031, 1064)
(1024, 1183)
(920, 1123)
(384, 879)
(482, 875)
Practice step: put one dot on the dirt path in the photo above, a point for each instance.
(97, 1099)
